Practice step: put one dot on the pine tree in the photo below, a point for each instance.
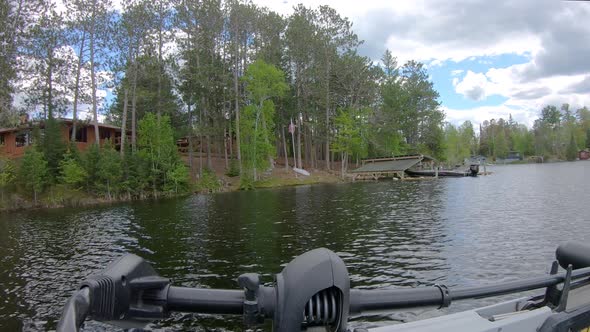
(109, 172)
(72, 172)
(33, 172)
(572, 149)
(52, 145)
(7, 175)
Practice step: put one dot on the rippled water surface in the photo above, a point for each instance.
(463, 231)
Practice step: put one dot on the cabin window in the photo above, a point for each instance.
(81, 134)
(1, 139)
(23, 138)
(104, 133)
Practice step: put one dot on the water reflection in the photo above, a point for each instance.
(390, 234)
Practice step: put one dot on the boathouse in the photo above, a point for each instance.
(377, 168)
(15, 141)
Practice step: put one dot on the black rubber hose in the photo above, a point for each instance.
(206, 301)
(75, 311)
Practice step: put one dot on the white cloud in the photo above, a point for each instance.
(457, 72)
(478, 115)
(473, 86)
(524, 99)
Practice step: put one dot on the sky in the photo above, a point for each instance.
(486, 58)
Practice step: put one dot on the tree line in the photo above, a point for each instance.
(240, 82)
(558, 133)
(189, 60)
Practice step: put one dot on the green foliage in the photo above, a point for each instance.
(34, 172)
(153, 91)
(178, 178)
(572, 150)
(7, 174)
(89, 160)
(263, 81)
(109, 172)
(158, 149)
(234, 169)
(53, 146)
(349, 139)
(247, 182)
(208, 182)
(72, 173)
(409, 118)
(135, 175)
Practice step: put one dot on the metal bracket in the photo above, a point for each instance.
(250, 282)
(551, 292)
(565, 290)
(445, 295)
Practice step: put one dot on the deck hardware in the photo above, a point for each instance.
(250, 282)
(445, 295)
(565, 290)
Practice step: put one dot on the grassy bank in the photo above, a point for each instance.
(60, 196)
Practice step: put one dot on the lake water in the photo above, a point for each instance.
(456, 231)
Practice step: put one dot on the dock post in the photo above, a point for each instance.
(485, 172)
(402, 175)
(436, 172)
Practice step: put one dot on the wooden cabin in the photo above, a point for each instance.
(15, 141)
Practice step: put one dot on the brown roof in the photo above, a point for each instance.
(395, 164)
(7, 130)
(69, 121)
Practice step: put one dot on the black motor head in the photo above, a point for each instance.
(313, 289)
(128, 293)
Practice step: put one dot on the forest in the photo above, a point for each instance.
(237, 82)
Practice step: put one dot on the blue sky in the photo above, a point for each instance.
(443, 74)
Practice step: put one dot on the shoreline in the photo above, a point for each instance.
(58, 197)
(70, 198)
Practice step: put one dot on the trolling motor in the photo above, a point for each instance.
(312, 291)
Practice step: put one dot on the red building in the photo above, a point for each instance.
(14, 141)
(584, 155)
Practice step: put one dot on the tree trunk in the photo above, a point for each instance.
(93, 73)
(237, 93)
(200, 140)
(77, 87)
(124, 122)
(327, 155)
(190, 142)
(299, 162)
(134, 119)
(231, 143)
(342, 165)
(285, 148)
(209, 164)
(225, 148)
(49, 100)
(160, 28)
